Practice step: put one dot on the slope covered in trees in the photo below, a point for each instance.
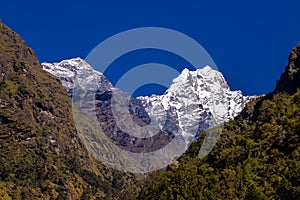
(256, 157)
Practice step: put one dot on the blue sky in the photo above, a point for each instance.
(249, 40)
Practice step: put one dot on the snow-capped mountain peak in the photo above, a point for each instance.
(68, 67)
(196, 100)
(76, 69)
(200, 99)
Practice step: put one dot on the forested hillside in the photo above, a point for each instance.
(256, 157)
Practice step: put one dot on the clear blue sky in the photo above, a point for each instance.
(249, 40)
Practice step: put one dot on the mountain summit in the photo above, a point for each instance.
(67, 70)
(200, 99)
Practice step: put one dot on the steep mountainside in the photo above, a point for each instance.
(256, 157)
(41, 155)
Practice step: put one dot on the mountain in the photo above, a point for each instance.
(196, 100)
(41, 154)
(67, 70)
(256, 157)
(200, 99)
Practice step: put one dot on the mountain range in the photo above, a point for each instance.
(195, 101)
(43, 153)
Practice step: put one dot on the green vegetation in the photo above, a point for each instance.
(257, 157)
(41, 155)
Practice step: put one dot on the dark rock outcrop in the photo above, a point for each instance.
(290, 80)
